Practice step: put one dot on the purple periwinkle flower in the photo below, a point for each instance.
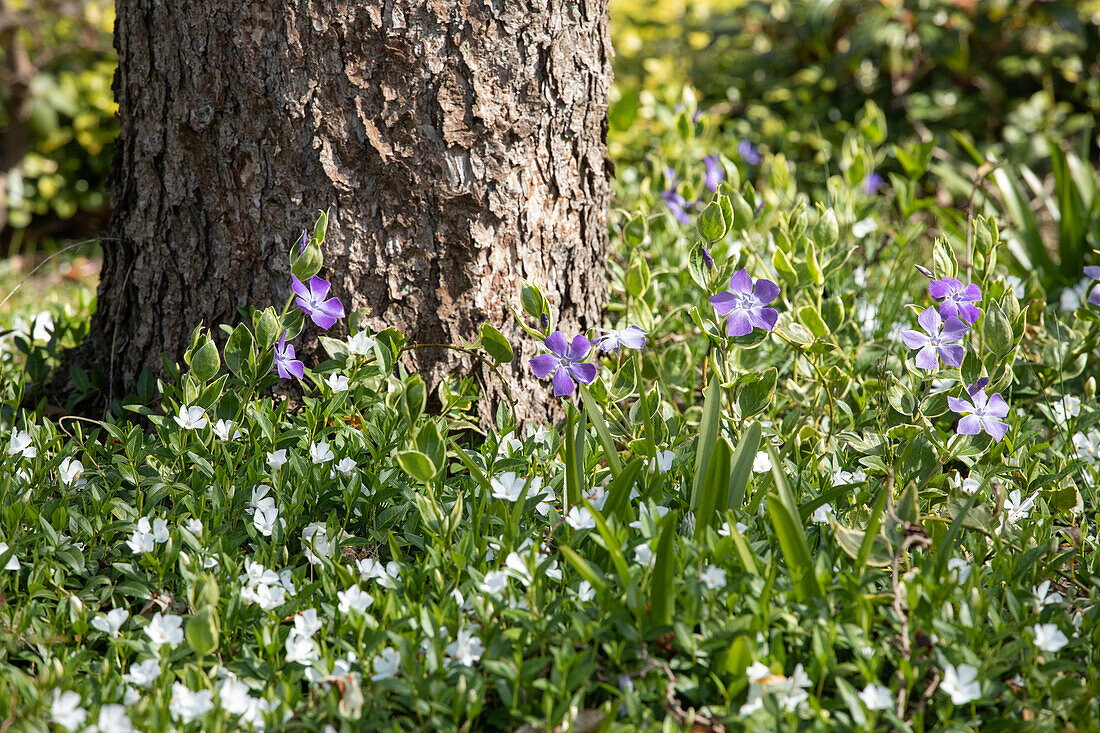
(285, 362)
(1094, 295)
(941, 340)
(312, 300)
(715, 172)
(749, 153)
(632, 337)
(957, 299)
(872, 183)
(925, 271)
(745, 304)
(566, 362)
(303, 241)
(980, 412)
(677, 204)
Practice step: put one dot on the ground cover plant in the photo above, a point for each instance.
(829, 464)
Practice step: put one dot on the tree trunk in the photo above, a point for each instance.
(459, 146)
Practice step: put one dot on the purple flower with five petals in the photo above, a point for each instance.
(715, 172)
(312, 300)
(285, 362)
(941, 341)
(1094, 295)
(566, 362)
(632, 337)
(957, 299)
(980, 412)
(745, 304)
(749, 153)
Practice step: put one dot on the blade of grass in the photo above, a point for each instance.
(714, 487)
(708, 435)
(742, 465)
(661, 600)
(791, 534)
(602, 433)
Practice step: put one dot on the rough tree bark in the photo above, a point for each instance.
(459, 145)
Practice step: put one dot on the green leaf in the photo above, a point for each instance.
(494, 342)
(997, 330)
(574, 456)
(743, 458)
(714, 487)
(661, 599)
(812, 320)
(267, 329)
(431, 443)
(826, 230)
(307, 263)
(532, 300)
(711, 224)
(205, 361)
(754, 392)
(873, 523)
(202, 632)
(708, 435)
(238, 351)
(638, 276)
(584, 568)
(879, 554)
(417, 465)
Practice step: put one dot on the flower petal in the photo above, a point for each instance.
(319, 287)
(738, 324)
(765, 291)
(543, 364)
(741, 282)
(969, 425)
(298, 287)
(930, 321)
(724, 302)
(764, 318)
(952, 354)
(958, 405)
(579, 348)
(914, 339)
(585, 372)
(563, 384)
(996, 428)
(557, 344)
(996, 407)
(954, 329)
(1093, 272)
(927, 359)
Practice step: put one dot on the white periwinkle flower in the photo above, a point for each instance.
(337, 382)
(320, 452)
(1049, 638)
(187, 706)
(1044, 596)
(466, 649)
(1015, 509)
(664, 460)
(354, 599)
(165, 629)
(345, 466)
(276, 459)
(13, 561)
(143, 674)
(225, 430)
(509, 487)
(360, 344)
(961, 683)
(112, 719)
(876, 697)
(762, 462)
(110, 623)
(822, 513)
(494, 583)
(713, 577)
(70, 471)
(643, 555)
(22, 444)
(579, 518)
(960, 565)
(386, 664)
(191, 418)
(66, 710)
(1066, 408)
(300, 649)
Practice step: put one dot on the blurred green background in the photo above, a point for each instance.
(795, 78)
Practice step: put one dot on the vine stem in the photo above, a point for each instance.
(492, 366)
